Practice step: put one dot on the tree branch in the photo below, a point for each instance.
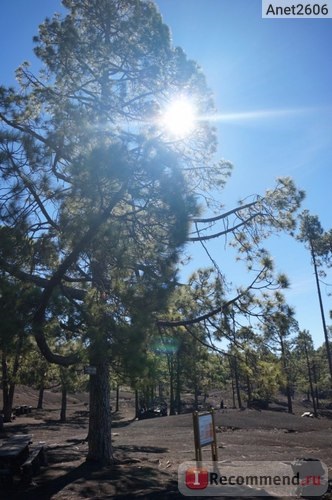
(221, 309)
(227, 231)
(226, 214)
(55, 280)
(74, 293)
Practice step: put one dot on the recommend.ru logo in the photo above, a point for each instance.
(253, 478)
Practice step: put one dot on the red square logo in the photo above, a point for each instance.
(197, 478)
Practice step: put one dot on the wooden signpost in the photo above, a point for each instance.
(204, 434)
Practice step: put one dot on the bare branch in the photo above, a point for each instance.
(227, 214)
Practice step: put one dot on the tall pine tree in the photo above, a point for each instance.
(95, 183)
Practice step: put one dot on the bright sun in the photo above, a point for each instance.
(179, 118)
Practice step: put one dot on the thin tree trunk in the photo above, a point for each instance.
(100, 432)
(327, 342)
(136, 404)
(171, 384)
(117, 397)
(63, 404)
(235, 366)
(314, 373)
(178, 386)
(310, 380)
(248, 383)
(8, 381)
(16, 366)
(41, 396)
(237, 385)
(289, 399)
(7, 410)
(249, 392)
(288, 385)
(196, 396)
(232, 381)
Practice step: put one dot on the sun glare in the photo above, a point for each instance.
(179, 118)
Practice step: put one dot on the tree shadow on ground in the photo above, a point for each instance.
(63, 454)
(125, 479)
(121, 423)
(142, 449)
(75, 422)
(89, 480)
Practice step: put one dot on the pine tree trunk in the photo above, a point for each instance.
(40, 397)
(326, 335)
(151, 395)
(310, 380)
(196, 396)
(237, 384)
(171, 384)
(249, 392)
(117, 397)
(11, 383)
(289, 399)
(99, 437)
(136, 404)
(7, 408)
(63, 404)
(286, 369)
(316, 384)
(178, 387)
(233, 387)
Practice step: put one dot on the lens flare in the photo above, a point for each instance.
(179, 119)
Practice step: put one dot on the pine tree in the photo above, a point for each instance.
(94, 183)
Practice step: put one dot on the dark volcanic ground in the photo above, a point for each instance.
(148, 452)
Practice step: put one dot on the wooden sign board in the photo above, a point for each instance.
(90, 370)
(204, 434)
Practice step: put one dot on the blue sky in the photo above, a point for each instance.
(272, 83)
(273, 80)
